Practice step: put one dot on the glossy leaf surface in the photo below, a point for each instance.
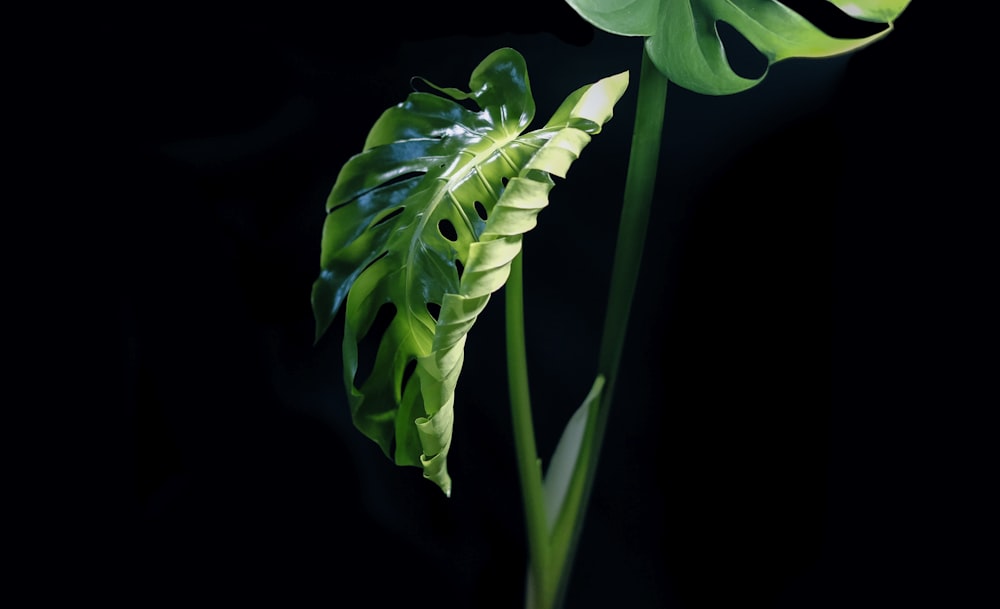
(683, 40)
(425, 221)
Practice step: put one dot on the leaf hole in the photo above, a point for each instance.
(833, 21)
(504, 180)
(403, 177)
(387, 217)
(372, 263)
(743, 57)
(448, 230)
(411, 367)
(460, 268)
(480, 210)
(434, 309)
(468, 103)
(369, 343)
(420, 84)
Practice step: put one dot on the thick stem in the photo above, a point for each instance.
(639, 185)
(528, 464)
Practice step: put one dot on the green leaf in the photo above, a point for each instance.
(683, 41)
(622, 17)
(567, 457)
(426, 220)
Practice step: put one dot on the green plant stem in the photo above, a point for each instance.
(638, 196)
(528, 464)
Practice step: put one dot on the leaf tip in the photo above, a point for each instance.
(325, 305)
(441, 479)
(320, 331)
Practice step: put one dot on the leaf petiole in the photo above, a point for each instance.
(529, 466)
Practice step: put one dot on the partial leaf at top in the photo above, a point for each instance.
(425, 221)
(683, 41)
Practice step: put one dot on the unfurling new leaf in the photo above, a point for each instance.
(426, 221)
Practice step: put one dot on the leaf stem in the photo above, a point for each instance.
(639, 185)
(529, 465)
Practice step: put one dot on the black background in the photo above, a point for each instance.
(799, 417)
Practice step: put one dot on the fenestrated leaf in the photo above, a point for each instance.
(683, 41)
(427, 219)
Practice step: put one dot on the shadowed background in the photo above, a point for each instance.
(775, 442)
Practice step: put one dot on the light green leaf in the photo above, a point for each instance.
(559, 474)
(683, 41)
(879, 11)
(623, 17)
(426, 219)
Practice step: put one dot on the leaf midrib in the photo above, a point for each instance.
(446, 185)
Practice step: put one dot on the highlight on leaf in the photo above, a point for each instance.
(427, 218)
(682, 36)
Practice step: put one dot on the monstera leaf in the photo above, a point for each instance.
(683, 42)
(425, 222)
